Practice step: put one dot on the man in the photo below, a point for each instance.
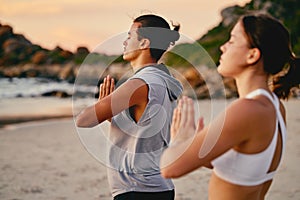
(140, 111)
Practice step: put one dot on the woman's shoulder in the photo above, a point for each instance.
(245, 104)
(248, 109)
(244, 116)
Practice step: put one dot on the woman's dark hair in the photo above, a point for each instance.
(157, 30)
(273, 40)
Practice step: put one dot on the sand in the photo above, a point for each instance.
(46, 159)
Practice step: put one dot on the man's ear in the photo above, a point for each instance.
(145, 43)
(253, 56)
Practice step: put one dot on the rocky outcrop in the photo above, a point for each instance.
(20, 58)
(286, 11)
(15, 49)
(202, 82)
(54, 72)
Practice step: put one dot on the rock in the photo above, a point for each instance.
(193, 77)
(60, 94)
(7, 60)
(29, 73)
(59, 56)
(66, 54)
(5, 33)
(230, 88)
(82, 51)
(22, 39)
(12, 45)
(230, 15)
(33, 49)
(80, 55)
(67, 73)
(40, 57)
(118, 71)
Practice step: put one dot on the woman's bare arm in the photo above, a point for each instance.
(189, 153)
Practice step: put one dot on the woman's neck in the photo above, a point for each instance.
(249, 82)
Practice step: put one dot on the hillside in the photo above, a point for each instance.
(287, 11)
(19, 57)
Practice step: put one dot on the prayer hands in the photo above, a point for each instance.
(106, 87)
(183, 122)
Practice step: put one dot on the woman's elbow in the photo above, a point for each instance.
(167, 168)
(169, 173)
(171, 168)
(164, 173)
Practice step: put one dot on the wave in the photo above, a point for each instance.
(37, 87)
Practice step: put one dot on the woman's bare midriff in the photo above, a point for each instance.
(220, 189)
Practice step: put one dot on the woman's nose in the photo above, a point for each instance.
(222, 47)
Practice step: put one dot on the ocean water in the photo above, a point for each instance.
(36, 87)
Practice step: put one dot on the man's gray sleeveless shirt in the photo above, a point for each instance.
(135, 148)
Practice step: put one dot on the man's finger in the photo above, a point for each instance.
(112, 85)
(101, 91)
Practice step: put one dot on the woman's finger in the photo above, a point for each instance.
(183, 119)
(174, 125)
(190, 113)
(200, 125)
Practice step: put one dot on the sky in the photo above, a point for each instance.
(90, 23)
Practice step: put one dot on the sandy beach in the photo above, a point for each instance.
(46, 159)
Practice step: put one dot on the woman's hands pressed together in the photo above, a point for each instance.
(183, 122)
(183, 134)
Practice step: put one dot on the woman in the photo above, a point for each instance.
(140, 111)
(244, 144)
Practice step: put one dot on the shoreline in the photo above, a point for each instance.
(15, 120)
(22, 110)
(34, 109)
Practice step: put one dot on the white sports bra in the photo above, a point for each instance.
(251, 169)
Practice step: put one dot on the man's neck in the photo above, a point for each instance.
(142, 62)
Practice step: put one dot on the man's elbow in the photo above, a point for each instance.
(83, 122)
(80, 122)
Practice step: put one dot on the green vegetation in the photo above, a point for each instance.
(287, 11)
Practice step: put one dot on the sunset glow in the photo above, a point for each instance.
(73, 23)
